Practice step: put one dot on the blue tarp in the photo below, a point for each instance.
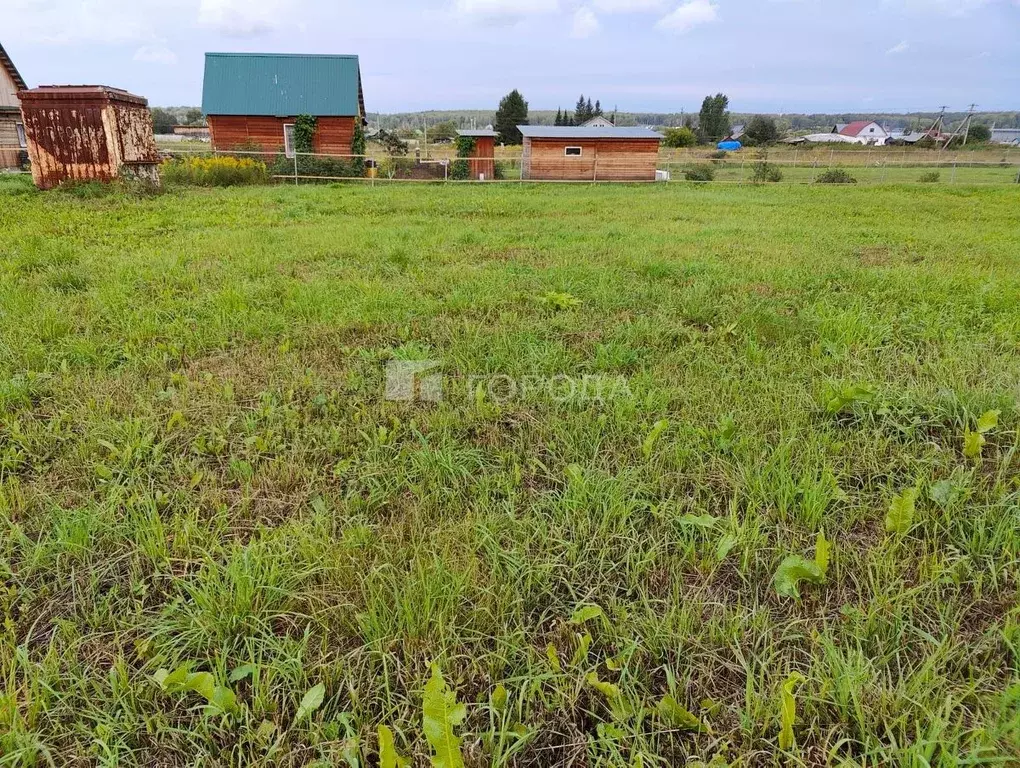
(729, 145)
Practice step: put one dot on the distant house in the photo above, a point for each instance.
(568, 153)
(12, 132)
(599, 121)
(253, 99)
(200, 132)
(865, 131)
(1006, 135)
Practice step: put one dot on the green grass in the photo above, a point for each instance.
(198, 465)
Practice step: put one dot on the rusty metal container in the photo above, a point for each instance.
(88, 132)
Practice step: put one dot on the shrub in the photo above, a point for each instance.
(700, 172)
(719, 154)
(930, 177)
(835, 176)
(764, 171)
(460, 170)
(679, 137)
(317, 166)
(396, 167)
(498, 171)
(214, 171)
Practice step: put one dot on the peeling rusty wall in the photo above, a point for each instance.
(85, 140)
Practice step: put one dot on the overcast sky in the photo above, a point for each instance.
(654, 55)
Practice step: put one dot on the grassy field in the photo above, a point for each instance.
(721, 474)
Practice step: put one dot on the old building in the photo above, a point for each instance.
(482, 161)
(88, 133)
(566, 153)
(12, 131)
(251, 100)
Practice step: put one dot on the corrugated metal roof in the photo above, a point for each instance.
(579, 132)
(282, 85)
(478, 133)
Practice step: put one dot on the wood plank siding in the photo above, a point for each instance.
(483, 162)
(12, 155)
(333, 135)
(600, 159)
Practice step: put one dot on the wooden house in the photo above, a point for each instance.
(253, 99)
(88, 133)
(482, 162)
(12, 131)
(566, 153)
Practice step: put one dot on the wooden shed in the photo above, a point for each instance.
(482, 162)
(87, 133)
(567, 153)
(12, 131)
(253, 99)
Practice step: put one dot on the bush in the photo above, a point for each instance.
(460, 170)
(930, 177)
(679, 137)
(214, 171)
(396, 167)
(719, 154)
(498, 171)
(700, 172)
(835, 176)
(764, 171)
(315, 166)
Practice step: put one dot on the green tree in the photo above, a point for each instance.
(714, 119)
(513, 111)
(761, 131)
(163, 120)
(194, 117)
(979, 133)
(598, 109)
(680, 137)
(445, 131)
(580, 110)
(559, 116)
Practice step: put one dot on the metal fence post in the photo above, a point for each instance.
(952, 179)
(295, 168)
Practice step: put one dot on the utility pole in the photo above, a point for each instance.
(970, 116)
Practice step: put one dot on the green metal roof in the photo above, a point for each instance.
(282, 85)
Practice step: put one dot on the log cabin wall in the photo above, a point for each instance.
(333, 135)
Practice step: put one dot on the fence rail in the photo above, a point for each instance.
(796, 166)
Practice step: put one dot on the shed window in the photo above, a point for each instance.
(22, 141)
(572, 151)
(288, 139)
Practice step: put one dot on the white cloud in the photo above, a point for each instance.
(247, 18)
(586, 23)
(900, 47)
(689, 15)
(947, 7)
(111, 22)
(631, 6)
(504, 11)
(155, 54)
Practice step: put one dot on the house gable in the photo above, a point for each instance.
(10, 81)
